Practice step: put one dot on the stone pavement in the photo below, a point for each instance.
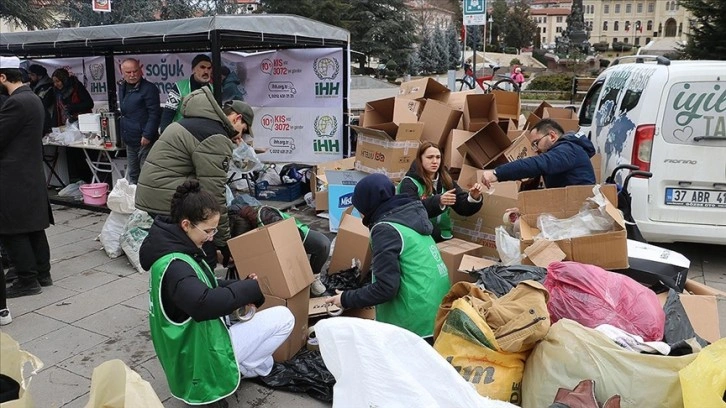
(97, 311)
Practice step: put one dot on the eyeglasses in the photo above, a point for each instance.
(535, 144)
(210, 231)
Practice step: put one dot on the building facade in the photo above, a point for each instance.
(551, 22)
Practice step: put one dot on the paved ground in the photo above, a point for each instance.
(97, 310)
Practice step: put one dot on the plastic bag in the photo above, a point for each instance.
(593, 296)
(677, 324)
(115, 385)
(13, 365)
(135, 231)
(381, 365)
(122, 198)
(501, 279)
(111, 233)
(244, 160)
(71, 134)
(591, 219)
(348, 279)
(73, 190)
(507, 247)
(305, 372)
(703, 382)
(571, 352)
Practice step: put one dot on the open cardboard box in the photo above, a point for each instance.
(438, 119)
(378, 152)
(607, 250)
(705, 307)
(386, 114)
(453, 159)
(567, 118)
(423, 88)
(508, 105)
(536, 116)
(468, 264)
(455, 99)
(452, 251)
(479, 110)
(298, 305)
(319, 179)
(519, 149)
(485, 145)
(352, 242)
(276, 254)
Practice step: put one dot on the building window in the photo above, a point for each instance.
(647, 40)
(559, 19)
(640, 8)
(678, 6)
(627, 26)
(544, 30)
(651, 7)
(616, 26)
(559, 29)
(637, 41)
(649, 26)
(670, 28)
(615, 39)
(604, 25)
(606, 9)
(625, 40)
(680, 29)
(628, 8)
(617, 9)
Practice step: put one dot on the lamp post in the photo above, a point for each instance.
(490, 21)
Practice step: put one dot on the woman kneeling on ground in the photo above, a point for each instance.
(428, 181)
(201, 354)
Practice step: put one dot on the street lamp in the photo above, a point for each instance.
(490, 21)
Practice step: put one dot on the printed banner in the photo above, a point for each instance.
(90, 71)
(102, 5)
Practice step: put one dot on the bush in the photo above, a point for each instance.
(514, 61)
(510, 50)
(604, 63)
(620, 46)
(539, 55)
(551, 82)
(601, 46)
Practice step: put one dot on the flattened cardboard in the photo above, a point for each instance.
(422, 88)
(378, 152)
(298, 305)
(438, 119)
(276, 254)
(452, 251)
(508, 105)
(705, 307)
(607, 250)
(485, 145)
(479, 110)
(340, 194)
(566, 118)
(351, 243)
(542, 252)
(453, 159)
(471, 263)
(536, 116)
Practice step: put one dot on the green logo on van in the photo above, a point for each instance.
(694, 105)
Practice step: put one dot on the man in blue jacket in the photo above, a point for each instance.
(140, 115)
(562, 159)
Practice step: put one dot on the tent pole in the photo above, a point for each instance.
(216, 66)
(111, 81)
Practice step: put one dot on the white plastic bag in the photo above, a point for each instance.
(111, 233)
(380, 365)
(135, 231)
(71, 134)
(122, 198)
(73, 190)
(507, 247)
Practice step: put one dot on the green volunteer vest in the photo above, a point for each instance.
(185, 88)
(300, 226)
(443, 220)
(424, 282)
(197, 357)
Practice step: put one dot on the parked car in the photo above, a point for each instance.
(667, 117)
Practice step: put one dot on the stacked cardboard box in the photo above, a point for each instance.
(452, 252)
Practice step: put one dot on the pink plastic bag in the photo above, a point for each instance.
(593, 296)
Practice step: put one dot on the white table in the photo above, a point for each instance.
(103, 161)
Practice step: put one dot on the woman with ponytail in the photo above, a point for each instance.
(430, 182)
(201, 353)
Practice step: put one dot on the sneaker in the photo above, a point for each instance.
(18, 289)
(45, 281)
(317, 288)
(11, 275)
(5, 317)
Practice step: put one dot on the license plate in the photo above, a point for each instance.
(695, 198)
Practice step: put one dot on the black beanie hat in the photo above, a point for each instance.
(199, 58)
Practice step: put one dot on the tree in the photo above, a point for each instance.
(333, 12)
(33, 14)
(452, 38)
(706, 40)
(122, 11)
(500, 11)
(473, 36)
(414, 63)
(441, 48)
(520, 29)
(427, 53)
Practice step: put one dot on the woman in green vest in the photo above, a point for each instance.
(201, 354)
(430, 182)
(409, 277)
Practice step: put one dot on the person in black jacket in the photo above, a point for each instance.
(563, 159)
(71, 98)
(140, 116)
(42, 85)
(184, 296)
(428, 181)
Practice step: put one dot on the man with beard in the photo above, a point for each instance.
(42, 85)
(25, 211)
(201, 76)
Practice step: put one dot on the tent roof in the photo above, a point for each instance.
(193, 34)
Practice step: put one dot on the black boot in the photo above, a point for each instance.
(11, 275)
(18, 289)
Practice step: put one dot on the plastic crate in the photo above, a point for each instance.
(283, 192)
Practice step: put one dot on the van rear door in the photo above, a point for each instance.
(688, 159)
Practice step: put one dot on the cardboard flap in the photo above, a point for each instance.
(508, 104)
(702, 311)
(375, 133)
(542, 252)
(422, 88)
(316, 307)
(454, 99)
(343, 164)
(566, 200)
(409, 131)
(469, 263)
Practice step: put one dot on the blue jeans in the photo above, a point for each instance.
(136, 156)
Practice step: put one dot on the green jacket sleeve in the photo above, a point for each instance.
(211, 161)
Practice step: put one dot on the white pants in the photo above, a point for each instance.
(255, 340)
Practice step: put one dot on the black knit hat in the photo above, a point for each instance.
(199, 58)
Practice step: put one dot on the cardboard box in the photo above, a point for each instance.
(317, 308)
(471, 263)
(479, 110)
(352, 242)
(452, 251)
(542, 252)
(519, 149)
(536, 116)
(438, 119)
(378, 152)
(455, 99)
(476, 233)
(453, 159)
(386, 114)
(298, 305)
(705, 307)
(423, 88)
(341, 184)
(485, 145)
(320, 181)
(276, 254)
(508, 105)
(607, 250)
(596, 161)
(567, 118)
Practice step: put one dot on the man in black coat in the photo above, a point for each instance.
(42, 85)
(25, 211)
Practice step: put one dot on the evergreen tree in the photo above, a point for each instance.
(706, 40)
(500, 11)
(414, 63)
(520, 29)
(452, 38)
(427, 52)
(441, 48)
(33, 14)
(123, 11)
(473, 37)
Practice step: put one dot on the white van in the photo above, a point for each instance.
(669, 118)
